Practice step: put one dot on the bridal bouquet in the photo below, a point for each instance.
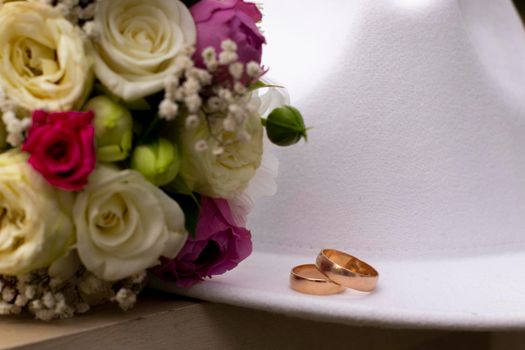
(132, 136)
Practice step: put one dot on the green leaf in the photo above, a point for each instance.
(100, 89)
(178, 186)
(261, 85)
(152, 130)
(139, 105)
(190, 205)
(188, 200)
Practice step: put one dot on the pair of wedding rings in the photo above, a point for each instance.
(333, 272)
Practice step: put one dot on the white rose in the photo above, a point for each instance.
(263, 184)
(139, 42)
(270, 98)
(225, 175)
(43, 61)
(35, 228)
(125, 224)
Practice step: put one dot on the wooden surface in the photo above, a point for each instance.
(164, 322)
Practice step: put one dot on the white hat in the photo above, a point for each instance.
(415, 163)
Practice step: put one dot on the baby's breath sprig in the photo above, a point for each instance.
(15, 127)
(217, 95)
(49, 298)
(76, 11)
(184, 87)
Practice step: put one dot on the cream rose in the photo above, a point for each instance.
(225, 175)
(35, 228)
(138, 44)
(125, 224)
(44, 63)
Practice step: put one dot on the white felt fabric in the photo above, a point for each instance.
(474, 293)
(416, 162)
(418, 116)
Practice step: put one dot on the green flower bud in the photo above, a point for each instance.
(158, 161)
(113, 129)
(285, 126)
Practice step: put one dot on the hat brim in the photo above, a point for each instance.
(473, 293)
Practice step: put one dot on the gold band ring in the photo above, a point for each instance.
(309, 280)
(347, 270)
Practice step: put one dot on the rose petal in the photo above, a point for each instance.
(219, 246)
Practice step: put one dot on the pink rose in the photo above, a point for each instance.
(219, 246)
(62, 147)
(218, 20)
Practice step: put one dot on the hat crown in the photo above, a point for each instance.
(418, 116)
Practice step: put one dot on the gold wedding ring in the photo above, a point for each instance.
(347, 270)
(309, 280)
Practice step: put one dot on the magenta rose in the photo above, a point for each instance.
(220, 244)
(218, 20)
(62, 148)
